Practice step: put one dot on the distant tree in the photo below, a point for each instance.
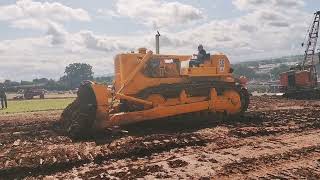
(76, 73)
(243, 70)
(263, 76)
(56, 85)
(9, 83)
(26, 83)
(40, 81)
(104, 79)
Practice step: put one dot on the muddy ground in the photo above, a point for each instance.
(276, 139)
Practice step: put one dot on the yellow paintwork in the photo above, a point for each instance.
(214, 104)
(130, 79)
(102, 94)
(128, 65)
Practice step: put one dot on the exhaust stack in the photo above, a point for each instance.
(158, 43)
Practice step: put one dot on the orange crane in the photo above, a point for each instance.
(301, 81)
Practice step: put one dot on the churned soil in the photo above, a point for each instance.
(276, 139)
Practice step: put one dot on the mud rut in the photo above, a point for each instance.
(276, 139)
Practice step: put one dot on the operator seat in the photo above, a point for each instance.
(197, 62)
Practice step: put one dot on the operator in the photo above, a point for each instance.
(3, 97)
(200, 57)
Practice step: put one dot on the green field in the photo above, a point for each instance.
(36, 105)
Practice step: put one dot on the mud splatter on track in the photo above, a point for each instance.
(276, 139)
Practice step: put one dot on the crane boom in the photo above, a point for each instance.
(312, 41)
(309, 61)
(301, 81)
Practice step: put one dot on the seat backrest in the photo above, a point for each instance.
(207, 56)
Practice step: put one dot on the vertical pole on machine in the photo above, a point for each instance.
(158, 43)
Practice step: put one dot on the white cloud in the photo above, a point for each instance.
(85, 41)
(94, 42)
(30, 58)
(57, 33)
(157, 14)
(47, 56)
(266, 29)
(275, 4)
(37, 15)
(102, 13)
(38, 10)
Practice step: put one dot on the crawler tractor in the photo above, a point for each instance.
(151, 86)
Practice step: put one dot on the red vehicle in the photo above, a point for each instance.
(301, 81)
(32, 92)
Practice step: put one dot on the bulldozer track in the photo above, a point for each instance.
(266, 143)
(77, 119)
(196, 89)
(193, 88)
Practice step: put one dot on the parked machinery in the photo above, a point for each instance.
(301, 81)
(30, 93)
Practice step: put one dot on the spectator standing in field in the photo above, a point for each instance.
(3, 97)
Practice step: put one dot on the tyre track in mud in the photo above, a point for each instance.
(41, 151)
(279, 121)
(307, 167)
(231, 158)
(81, 159)
(295, 173)
(23, 152)
(245, 165)
(306, 123)
(28, 161)
(33, 133)
(32, 126)
(70, 159)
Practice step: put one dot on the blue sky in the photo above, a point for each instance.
(39, 38)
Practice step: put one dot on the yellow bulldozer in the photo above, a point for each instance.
(150, 86)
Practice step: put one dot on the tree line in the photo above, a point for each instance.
(251, 72)
(74, 74)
